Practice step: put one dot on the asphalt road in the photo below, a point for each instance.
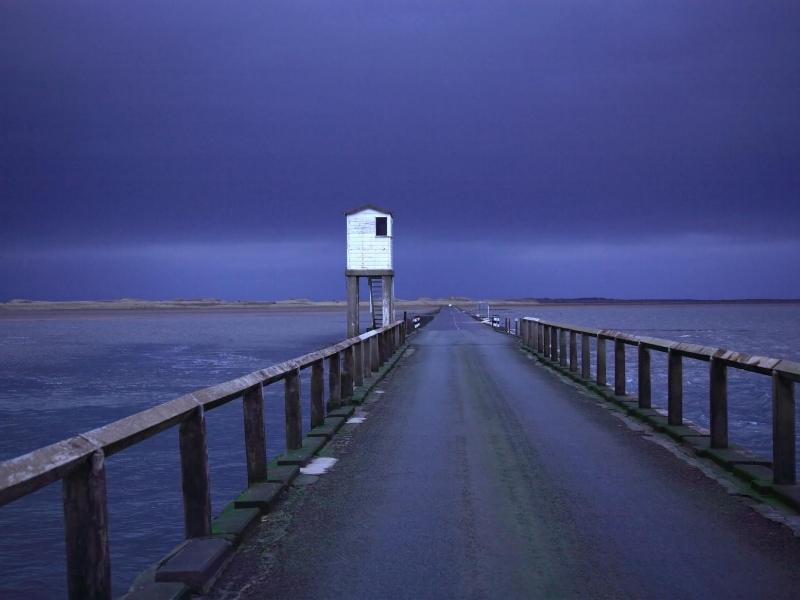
(479, 474)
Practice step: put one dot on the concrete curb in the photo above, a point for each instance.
(196, 563)
(360, 393)
(329, 428)
(751, 470)
(233, 523)
(301, 456)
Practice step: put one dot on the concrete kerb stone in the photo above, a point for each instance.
(302, 455)
(755, 471)
(328, 429)
(728, 457)
(343, 412)
(283, 474)
(788, 494)
(360, 394)
(196, 563)
(658, 422)
(145, 587)
(752, 472)
(260, 496)
(153, 590)
(680, 432)
(233, 523)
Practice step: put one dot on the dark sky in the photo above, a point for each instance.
(527, 148)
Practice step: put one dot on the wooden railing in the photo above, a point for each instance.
(80, 461)
(559, 342)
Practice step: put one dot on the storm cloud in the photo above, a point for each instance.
(158, 149)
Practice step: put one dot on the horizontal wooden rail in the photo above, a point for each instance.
(79, 461)
(739, 360)
(541, 335)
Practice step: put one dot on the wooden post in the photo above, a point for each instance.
(539, 337)
(387, 306)
(194, 475)
(358, 361)
(619, 368)
(366, 354)
(255, 442)
(554, 344)
(375, 352)
(546, 340)
(586, 356)
(601, 361)
(645, 395)
(348, 366)
(334, 382)
(291, 403)
(562, 347)
(86, 530)
(352, 306)
(317, 393)
(783, 426)
(573, 351)
(718, 401)
(674, 388)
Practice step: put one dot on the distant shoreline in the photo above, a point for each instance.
(40, 307)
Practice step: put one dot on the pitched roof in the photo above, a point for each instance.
(368, 207)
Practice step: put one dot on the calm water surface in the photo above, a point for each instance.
(63, 375)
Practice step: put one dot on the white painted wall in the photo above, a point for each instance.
(365, 250)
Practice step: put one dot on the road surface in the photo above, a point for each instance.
(480, 474)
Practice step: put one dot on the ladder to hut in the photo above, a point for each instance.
(376, 301)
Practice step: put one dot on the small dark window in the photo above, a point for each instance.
(381, 226)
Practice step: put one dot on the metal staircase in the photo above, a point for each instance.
(376, 301)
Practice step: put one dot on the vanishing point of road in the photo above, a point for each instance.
(478, 473)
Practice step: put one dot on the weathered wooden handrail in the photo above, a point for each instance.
(739, 360)
(80, 461)
(542, 336)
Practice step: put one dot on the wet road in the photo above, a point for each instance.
(479, 474)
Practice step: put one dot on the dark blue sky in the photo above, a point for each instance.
(551, 148)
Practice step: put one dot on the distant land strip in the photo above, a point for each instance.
(17, 306)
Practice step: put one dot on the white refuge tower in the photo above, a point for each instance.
(369, 254)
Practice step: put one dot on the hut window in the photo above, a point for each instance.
(381, 226)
